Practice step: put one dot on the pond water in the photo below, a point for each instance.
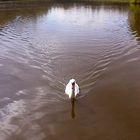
(42, 48)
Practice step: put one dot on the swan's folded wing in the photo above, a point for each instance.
(68, 89)
(77, 90)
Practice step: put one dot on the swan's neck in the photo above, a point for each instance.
(73, 90)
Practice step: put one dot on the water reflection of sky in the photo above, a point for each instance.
(85, 17)
(13, 109)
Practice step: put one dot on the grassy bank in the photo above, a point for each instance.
(24, 4)
(135, 1)
(103, 1)
(34, 3)
(111, 1)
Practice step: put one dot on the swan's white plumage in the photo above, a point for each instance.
(69, 90)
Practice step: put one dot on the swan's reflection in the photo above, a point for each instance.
(73, 107)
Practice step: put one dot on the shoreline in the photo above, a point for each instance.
(21, 4)
(43, 3)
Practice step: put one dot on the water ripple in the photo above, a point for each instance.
(40, 53)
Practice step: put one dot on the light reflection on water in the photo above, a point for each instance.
(41, 49)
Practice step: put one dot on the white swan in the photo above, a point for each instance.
(72, 89)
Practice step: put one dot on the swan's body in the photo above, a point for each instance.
(72, 89)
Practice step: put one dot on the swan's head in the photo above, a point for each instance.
(72, 81)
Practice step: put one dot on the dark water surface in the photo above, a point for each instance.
(42, 48)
